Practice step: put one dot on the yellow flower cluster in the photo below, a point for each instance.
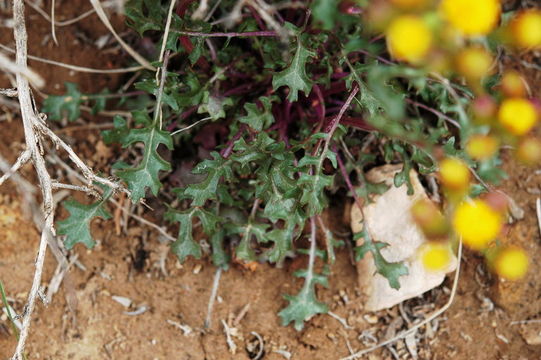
(477, 223)
(448, 37)
(510, 263)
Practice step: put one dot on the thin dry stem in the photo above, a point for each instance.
(167, 28)
(75, 67)
(7, 65)
(53, 31)
(87, 172)
(212, 299)
(103, 17)
(28, 116)
(10, 92)
(59, 23)
(21, 160)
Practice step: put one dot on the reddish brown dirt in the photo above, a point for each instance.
(96, 326)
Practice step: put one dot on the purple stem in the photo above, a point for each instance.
(231, 34)
(321, 111)
(238, 90)
(226, 152)
(382, 59)
(339, 75)
(434, 111)
(182, 116)
(257, 18)
(331, 127)
(345, 175)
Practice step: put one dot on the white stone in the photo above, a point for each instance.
(388, 220)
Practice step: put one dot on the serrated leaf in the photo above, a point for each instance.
(258, 119)
(58, 105)
(390, 270)
(247, 232)
(294, 76)
(76, 226)
(215, 169)
(303, 306)
(214, 105)
(185, 244)
(144, 15)
(191, 92)
(118, 133)
(145, 174)
(150, 86)
(313, 192)
(282, 239)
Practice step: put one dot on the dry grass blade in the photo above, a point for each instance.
(103, 17)
(76, 67)
(53, 31)
(7, 65)
(59, 23)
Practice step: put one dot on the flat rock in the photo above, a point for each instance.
(388, 220)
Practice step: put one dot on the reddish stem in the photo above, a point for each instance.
(231, 34)
(226, 152)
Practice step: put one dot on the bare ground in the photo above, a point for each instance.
(479, 325)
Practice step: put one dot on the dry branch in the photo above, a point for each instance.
(35, 130)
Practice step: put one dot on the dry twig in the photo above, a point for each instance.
(261, 345)
(214, 292)
(103, 17)
(75, 67)
(29, 117)
(7, 65)
(34, 131)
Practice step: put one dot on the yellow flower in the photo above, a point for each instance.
(435, 256)
(517, 115)
(471, 17)
(473, 62)
(482, 147)
(477, 223)
(409, 38)
(513, 85)
(511, 263)
(526, 29)
(529, 151)
(454, 174)
(429, 218)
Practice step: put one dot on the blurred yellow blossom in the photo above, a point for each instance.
(409, 38)
(435, 256)
(471, 17)
(454, 174)
(526, 29)
(517, 115)
(511, 263)
(477, 223)
(482, 147)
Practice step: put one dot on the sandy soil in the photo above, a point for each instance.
(84, 322)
